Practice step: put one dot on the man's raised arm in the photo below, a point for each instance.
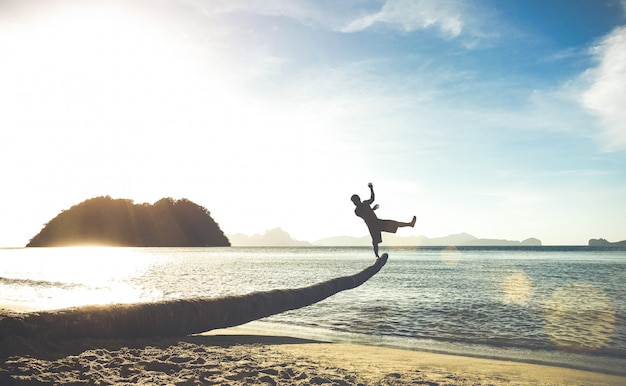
(371, 200)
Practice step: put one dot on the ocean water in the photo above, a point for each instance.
(557, 306)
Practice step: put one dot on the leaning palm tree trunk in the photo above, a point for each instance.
(174, 317)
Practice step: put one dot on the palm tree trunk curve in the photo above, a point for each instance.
(175, 317)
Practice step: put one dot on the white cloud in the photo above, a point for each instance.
(409, 16)
(606, 95)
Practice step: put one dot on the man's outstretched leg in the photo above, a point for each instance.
(391, 226)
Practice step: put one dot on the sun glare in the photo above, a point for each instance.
(90, 275)
(113, 88)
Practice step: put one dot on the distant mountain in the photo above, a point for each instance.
(602, 243)
(461, 239)
(344, 241)
(532, 242)
(120, 222)
(396, 241)
(272, 238)
(279, 238)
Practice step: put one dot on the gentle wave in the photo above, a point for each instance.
(8, 281)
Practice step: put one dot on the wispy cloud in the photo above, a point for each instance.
(445, 16)
(409, 16)
(606, 95)
(326, 13)
(468, 23)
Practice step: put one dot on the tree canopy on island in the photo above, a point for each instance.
(121, 222)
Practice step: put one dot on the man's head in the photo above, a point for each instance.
(356, 199)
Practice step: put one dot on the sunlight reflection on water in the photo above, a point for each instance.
(65, 277)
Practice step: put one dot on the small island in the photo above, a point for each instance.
(120, 222)
(604, 244)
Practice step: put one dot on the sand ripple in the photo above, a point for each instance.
(193, 361)
(253, 360)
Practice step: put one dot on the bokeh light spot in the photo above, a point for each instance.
(450, 256)
(517, 288)
(579, 317)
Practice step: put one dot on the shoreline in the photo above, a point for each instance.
(239, 355)
(344, 349)
(555, 358)
(616, 367)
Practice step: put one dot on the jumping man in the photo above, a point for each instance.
(374, 224)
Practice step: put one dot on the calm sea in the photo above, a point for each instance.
(551, 305)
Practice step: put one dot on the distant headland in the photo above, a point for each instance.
(602, 243)
(121, 222)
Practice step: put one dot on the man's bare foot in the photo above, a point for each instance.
(413, 221)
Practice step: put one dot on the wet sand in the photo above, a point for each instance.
(238, 356)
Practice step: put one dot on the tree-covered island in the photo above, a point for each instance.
(121, 222)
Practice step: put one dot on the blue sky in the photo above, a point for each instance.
(503, 119)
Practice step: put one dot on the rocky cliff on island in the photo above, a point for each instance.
(121, 222)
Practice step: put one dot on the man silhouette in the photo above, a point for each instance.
(374, 224)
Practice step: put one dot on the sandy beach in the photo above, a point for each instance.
(237, 356)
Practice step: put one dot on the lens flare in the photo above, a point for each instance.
(451, 256)
(518, 289)
(579, 317)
